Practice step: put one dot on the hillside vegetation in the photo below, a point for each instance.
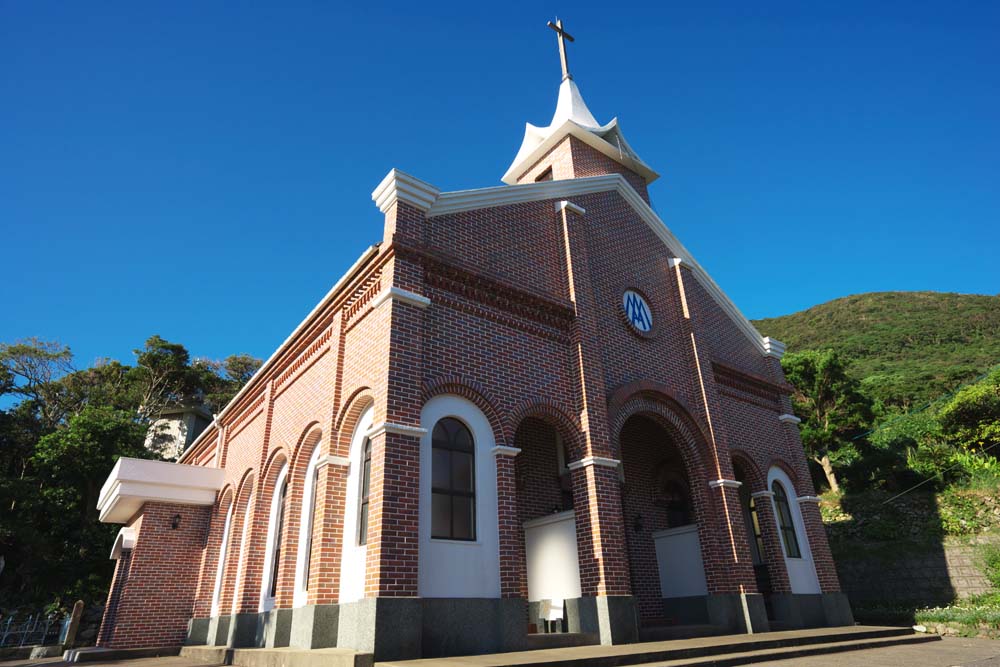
(903, 347)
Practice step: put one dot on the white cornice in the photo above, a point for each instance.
(401, 295)
(762, 494)
(332, 460)
(400, 186)
(397, 429)
(594, 461)
(674, 262)
(726, 483)
(773, 348)
(809, 499)
(504, 450)
(505, 195)
(789, 419)
(134, 482)
(569, 206)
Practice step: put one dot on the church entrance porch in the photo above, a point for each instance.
(661, 527)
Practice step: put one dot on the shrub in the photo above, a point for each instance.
(991, 566)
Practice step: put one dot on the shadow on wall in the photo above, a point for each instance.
(894, 558)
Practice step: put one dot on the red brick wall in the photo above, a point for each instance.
(158, 596)
(538, 482)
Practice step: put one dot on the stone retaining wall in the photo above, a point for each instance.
(931, 574)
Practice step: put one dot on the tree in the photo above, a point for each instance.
(971, 419)
(61, 437)
(31, 368)
(831, 406)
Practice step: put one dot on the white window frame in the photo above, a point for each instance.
(306, 525)
(244, 538)
(220, 567)
(801, 571)
(353, 556)
(266, 601)
(460, 568)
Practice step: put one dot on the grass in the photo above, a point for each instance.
(972, 616)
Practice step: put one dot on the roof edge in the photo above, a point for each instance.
(268, 365)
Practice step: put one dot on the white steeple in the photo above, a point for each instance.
(572, 117)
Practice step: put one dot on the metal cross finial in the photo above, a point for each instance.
(563, 36)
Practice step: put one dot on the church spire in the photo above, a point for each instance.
(572, 117)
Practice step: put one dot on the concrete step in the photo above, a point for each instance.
(545, 640)
(768, 655)
(209, 655)
(703, 649)
(278, 657)
(662, 633)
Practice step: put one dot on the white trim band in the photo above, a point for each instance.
(789, 419)
(504, 450)
(400, 186)
(397, 429)
(332, 460)
(594, 461)
(762, 494)
(773, 348)
(726, 483)
(569, 206)
(809, 499)
(401, 295)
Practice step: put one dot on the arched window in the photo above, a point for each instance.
(272, 559)
(223, 549)
(365, 492)
(306, 524)
(276, 558)
(453, 493)
(244, 538)
(785, 525)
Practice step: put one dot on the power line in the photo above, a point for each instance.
(928, 404)
(940, 474)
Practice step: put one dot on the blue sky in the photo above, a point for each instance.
(203, 170)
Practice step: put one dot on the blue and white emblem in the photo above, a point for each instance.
(637, 311)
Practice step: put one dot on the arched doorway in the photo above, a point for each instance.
(661, 526)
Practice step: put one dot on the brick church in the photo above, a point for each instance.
(525, 417)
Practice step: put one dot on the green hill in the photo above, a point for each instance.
(905, 347)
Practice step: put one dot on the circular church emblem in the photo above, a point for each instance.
(637, 311)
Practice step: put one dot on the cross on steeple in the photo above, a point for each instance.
(563, 36)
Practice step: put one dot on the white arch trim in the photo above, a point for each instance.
(353, 555)
(223, 548)
(125, 541)
(266, 601)
(453, 568)
(301, 595)
(244, 538)
(801, 571)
